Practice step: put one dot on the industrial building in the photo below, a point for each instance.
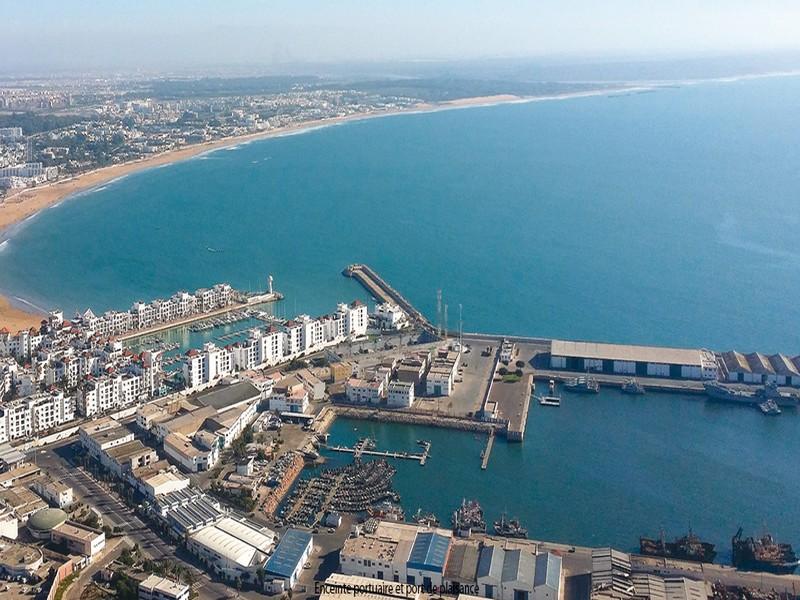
(233, 548)
(759, 369)
(398, 552)
(511, 574)
(641, 361)
(285, 565)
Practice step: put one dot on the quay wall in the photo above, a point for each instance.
(412, 418)
(276, 494)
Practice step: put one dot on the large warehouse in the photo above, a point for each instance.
(641, 361)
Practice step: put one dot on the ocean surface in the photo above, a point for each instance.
(605, 469)
(668, 217)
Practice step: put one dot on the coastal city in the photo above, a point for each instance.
(399, 300)
(123, 474)
(64, 131)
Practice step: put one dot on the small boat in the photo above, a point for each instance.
(769, 407)
(632, 387)
(583, 385)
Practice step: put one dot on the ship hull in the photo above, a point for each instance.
(650, 547)
(767, 567)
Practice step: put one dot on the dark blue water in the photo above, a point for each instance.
(606, 469)
(667, 217)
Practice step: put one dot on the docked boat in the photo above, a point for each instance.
(633, 388)
(689, 547)
(468, 519)
(763, 554)
(770, 391)
(582, 385)
(723, 393)
(509, 528)
(426, 519)
(386, 511)
(551, 399)
(769, 407)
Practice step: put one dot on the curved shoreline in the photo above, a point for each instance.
(20, 207)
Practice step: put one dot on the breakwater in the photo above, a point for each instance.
(379, 288)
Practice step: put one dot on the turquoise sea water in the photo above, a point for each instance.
(668, 217)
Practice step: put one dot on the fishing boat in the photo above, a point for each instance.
(763, 554)
(426, 519)
(633, 387)
(509, 528)
(468, 519)
(688, 547)
(769, 407)
(582, 385)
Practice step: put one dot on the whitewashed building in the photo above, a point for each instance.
(400, 394)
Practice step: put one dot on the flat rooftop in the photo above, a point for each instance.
(76, 532)
(223, 397)
(162, 584)
(128, 450)
(649, 354)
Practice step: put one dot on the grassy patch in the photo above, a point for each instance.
(511, 378)
(65, 583)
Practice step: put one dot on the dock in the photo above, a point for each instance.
(380, 289)
(487, 451)
(366, 447)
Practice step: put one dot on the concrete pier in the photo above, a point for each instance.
(487, 451)
(362, 448)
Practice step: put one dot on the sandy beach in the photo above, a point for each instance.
(21, 205)
(15, 319)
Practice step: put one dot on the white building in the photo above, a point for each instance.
(400, 394)
(79, 539)
(206, 367)
(25, 417)
(58, 494)
(364, 392)
(289, 395)
(507, 351)
(390, 316)
(356, 318)
(190, 456)
(155, 587)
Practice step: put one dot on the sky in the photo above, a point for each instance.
(167, 34)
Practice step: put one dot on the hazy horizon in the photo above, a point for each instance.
(147, 35)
